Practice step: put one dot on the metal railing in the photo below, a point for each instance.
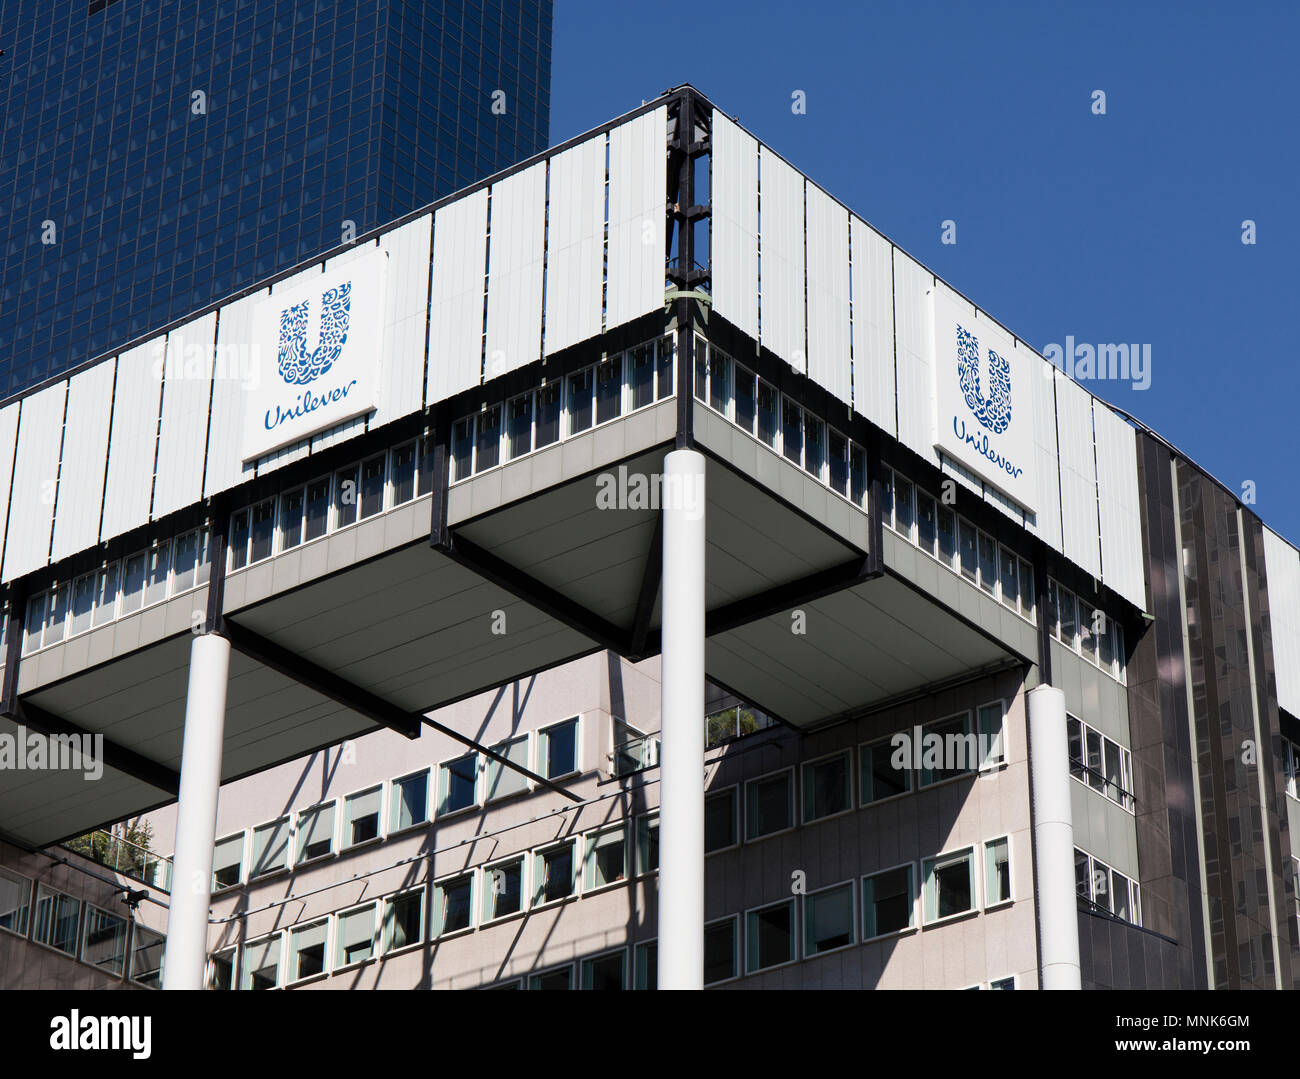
(123, 856)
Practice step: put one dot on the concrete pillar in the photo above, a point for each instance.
(681, 758)
(196, 816)
(1049, 767)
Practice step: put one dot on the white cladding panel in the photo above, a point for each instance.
(183, 431)
(515, 255)
(406, 321)
(638, 193)
(913, 327)
(828, 293)
(456, 307)
(85, 456)
(1282, 569)
(1117, 491)
(575, 246)
(133, 439)
(236, 368)
(1045, 522)
(1080, 541)
(781, 225)
(734, 240)
(8, 440)
(36, 474)
(873, 326)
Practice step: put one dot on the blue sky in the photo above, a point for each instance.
(1125, 227)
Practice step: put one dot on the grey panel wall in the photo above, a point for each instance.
(514, 314)
(734, 242)
(182, 432)
(575, 248)
(781, 240)
(1282, 565)
(638, 195)
(85, 457)
(828, 294)
(36, 477)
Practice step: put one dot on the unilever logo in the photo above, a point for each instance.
(994, 411)
(298, 367)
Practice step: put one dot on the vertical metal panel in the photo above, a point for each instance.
(575, 244)
(734, 239)
(515, 258)
(456, 314)
(638, 193)
(133, 439)
(85, 457)
(235, 370)
(187, 386)
(8, 442)
(1079, 538)
(1045, 522)
(873, 327)
(914, 330)
(1282, 568)
(1117, 490)
(406, 320)
(828, 293)
(36, 474)
(781, 235)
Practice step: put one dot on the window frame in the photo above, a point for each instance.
(341, 964)
(914, 894)
(988, 902)
(346, 820)
(795, 926)
(942, 860)
(805, 788)
(438, 908)
(523, 858)
(792, 802)
(805, 925)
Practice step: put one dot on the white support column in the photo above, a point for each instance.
(681, 758)
(196, 816)
(1049, 766)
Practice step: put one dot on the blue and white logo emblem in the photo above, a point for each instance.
(298, 366)
(994, 411)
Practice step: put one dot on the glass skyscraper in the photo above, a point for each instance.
(158, 155)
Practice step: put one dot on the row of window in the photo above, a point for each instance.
(614, 387)
(1291, 766)
(361, 490)
(1101, 763)
(940, 532)
(83, 931)
(466, 782)
(1106, 889)
(1086, 629)
(880, 905)
(168, 568)
(802, 438)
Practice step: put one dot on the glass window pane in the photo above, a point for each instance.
(641, 375)
(825, 787)
(503, 889)
(520, 425)
(487, 439)
(720, 951)
(767, 806)
(1087, 629)
(555, 876)
(462, 449)
(858, 475)
(791, 430)
(106, 587)
(1093, 744)
(424, 476)
(814, 445)
(549, 399)
(185, 562)
(1065, 608)
(318, 508)
(83, 599)
(948, 886)
(291, 511)
(988, 564)
(746, 398)
(1074, 738)
(880, 779)
(453, 907)
(402, 477)
(372, 486)
(719, 380)
(664, 367)
(263, 532)
(888, 902)
(558, 749)
(1027, 595)
(997, 871)
(157, 566)
(966, 549)
(361, 816)
(767, 420)
(238, 542)
(720, 829)
(1010, 571)
(837, 459)
(580, 403)
(947, 535)
(927, 525)
(346, 496)
(770, 936)
(904, 511)
(457, 780)
(410, 801)
(502, 782)
(133, 584)
(828, 920)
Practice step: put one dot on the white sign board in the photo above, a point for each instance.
(983, 404)
(318, 345)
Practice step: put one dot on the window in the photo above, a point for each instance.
(904, 513)
(456, 783)
(133, 584)
(1065, 609)
(1099, 762)
(361, 816)
(553, 874)
(947, 536)
(103, 944)
(769, 805)
(502, 781)
(607, 971)
(355, 936)
(1291, 766)
(580, 404)
(410, 801)
(453, 908)
(238, 543)
(372, 486)
(664, 367)
(185, 562)
(949, 885)
(767, 425)
(746, 399)
(83, 595)
(646, 974)
(15, 902)
(721, 954)
(307, 951)
(106, 581)
(966, 546)
(263, 533)
(228, 861)
(147, 948)
(318, 509)
(888, 902)
(1104, 889)
(927, 523)
(157, 565)
(606, 859)
(221, 971)
(291, 514)
(769, 936)
(548, 414)
(345, 497)
(1003, 983)
(270, 847)
(878, 777)
(997, 872)
(560, 978)
(791, 430)
(647, 843)
(948, 749)
(641, 376)
(557, 749)
(315, 833)
(58, 917)
(503, 889)
(988, 564)
(992, 739)
(519, 426)
(721, 827)
(259, 964)
(609, 388)
(719, 381)
(828, 919)
(826, 787)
